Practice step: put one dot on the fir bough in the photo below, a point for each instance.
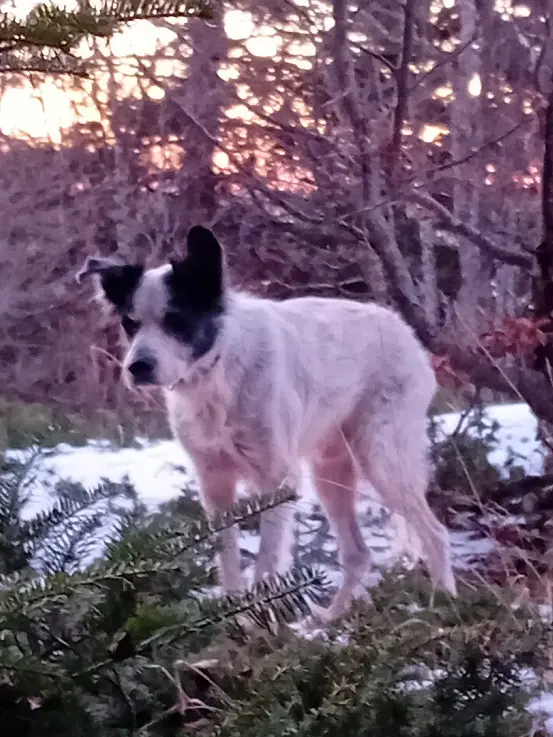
(72, 632)
(45, 40)
(399, 667)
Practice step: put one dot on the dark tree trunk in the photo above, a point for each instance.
(543, 282)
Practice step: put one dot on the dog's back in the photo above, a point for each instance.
(305, 366)
(354, 350)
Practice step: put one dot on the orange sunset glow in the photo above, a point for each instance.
(42, 108)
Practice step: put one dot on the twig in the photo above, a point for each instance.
(449, 58)
(453, 224)
(376, 56)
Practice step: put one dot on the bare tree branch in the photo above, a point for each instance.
(454, 225)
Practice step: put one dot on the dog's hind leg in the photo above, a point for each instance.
(218, 494)
(335, 482)
(391, 450)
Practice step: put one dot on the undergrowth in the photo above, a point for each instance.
(22, 423)
(109, 626)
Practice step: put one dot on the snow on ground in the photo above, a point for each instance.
(155, 469)
(159, 470)
(516, 435)
(542, 708)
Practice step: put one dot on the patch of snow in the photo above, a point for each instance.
(466, 548)
(516, 434)
(160, 470)
(541, 709)
(155, 470)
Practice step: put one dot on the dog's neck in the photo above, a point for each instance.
(200, 374)
(208, 380)
(199, 406)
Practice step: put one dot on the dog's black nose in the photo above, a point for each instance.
(143, 371)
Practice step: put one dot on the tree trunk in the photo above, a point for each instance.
(202, 99)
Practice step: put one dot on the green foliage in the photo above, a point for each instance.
(46, 38)
(129, 639)
(73, 631)
(60, 538)
(399, 667)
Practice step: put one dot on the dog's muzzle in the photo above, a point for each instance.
(143, 371)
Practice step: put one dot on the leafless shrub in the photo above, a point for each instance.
(395, 153)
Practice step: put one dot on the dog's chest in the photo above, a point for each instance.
(201, 423)
(217, 428)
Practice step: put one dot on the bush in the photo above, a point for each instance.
(400, 667)
(82, 640)
(130, 643)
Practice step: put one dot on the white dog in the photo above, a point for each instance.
(255, 386)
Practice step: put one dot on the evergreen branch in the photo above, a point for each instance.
(15, 478)
(283, 598)
(18, 595)
(245, 509)
(48, 25)
(127, 559)
(178, 539)
(73, 499)
(280, 600)
(40, 64)
(66, 551)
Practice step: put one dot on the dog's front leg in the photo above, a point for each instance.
(218, 494)
(276, 537)
(276, 532)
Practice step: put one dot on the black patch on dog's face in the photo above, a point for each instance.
(130, 326)
(120, 283)
(196, 293)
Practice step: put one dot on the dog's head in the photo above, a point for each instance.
(172, 314)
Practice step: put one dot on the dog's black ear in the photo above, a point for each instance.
(200, 276)
(203, 247)
(118, 282)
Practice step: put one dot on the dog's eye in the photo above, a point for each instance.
(130, 326)
(176, 322)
